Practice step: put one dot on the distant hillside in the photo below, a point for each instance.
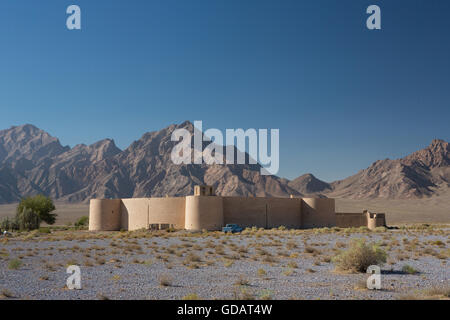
(423, 173)
(309, 185)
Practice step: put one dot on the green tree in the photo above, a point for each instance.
(41, 205)
(27, 220)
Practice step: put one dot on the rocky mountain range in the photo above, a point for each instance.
(423, 173)
(33, 162)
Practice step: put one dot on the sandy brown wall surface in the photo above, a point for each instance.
(247, 212)
(134, 213)
(167, 211)
(346, 220)
(104, 215)
(283, 212)
(262, 212)
(204, 213)
(318, 212)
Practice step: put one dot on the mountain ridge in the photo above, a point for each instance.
(420, 174)
(34, 162)
(101, 170)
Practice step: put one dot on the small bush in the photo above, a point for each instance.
(8, 224)
(312, 250)
(14, 264)
(165, 280)
(360, 256)
(408, 269)
(228, 263)
(44, 230)
(192, 257)
(82, 222)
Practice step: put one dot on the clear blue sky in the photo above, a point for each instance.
(341, 95)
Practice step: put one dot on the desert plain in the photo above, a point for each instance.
(254, 264)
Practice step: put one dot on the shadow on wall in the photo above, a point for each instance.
(318, 212)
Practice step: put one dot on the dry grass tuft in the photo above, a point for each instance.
(14, 264)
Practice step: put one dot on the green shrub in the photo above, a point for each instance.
(408, 269)
(14, 264)
(8, 224)
(360, 256)
(27, 220)
(44, 230)
(82, 222)
(41, 205)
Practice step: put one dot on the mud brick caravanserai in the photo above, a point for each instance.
(206, 211)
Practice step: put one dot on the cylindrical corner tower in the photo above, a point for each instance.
(318, 212)
(104, 215)
(204, 212)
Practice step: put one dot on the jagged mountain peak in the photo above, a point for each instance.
(309, 184)
(437, 154)
(29, 142)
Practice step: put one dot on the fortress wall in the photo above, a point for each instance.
(167, 211)
(204, 212)
(318, 212)
(104, 214)
(283, 212)
(212, 212)
(134, 213)
(348, 220)
(380, 220)
(375, 220)
(245, 211)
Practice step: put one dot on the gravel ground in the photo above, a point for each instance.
(135, 265)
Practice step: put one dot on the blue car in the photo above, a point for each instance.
(231, 227)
